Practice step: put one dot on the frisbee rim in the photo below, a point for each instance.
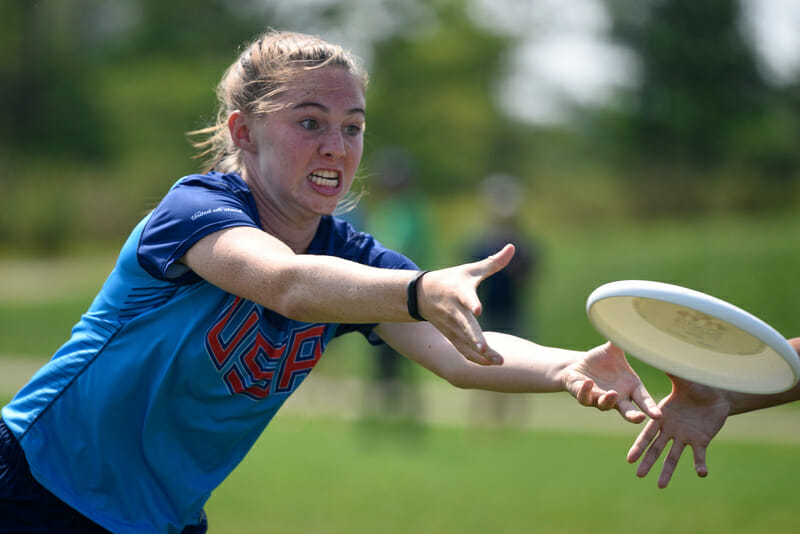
(699, 301)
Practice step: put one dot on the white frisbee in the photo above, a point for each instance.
(694, 336)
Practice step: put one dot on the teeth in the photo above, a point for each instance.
(325, 178)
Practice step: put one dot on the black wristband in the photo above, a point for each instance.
(413, 310)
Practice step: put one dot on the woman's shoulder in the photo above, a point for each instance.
(340, 233)
(337, 237)
(207, 197)
(214, 180)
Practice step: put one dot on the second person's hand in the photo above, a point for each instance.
(692, 415)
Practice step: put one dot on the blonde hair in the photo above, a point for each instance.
(263, 71)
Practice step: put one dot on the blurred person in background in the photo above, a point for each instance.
(398, 218)
(506, 296)
(223, 299)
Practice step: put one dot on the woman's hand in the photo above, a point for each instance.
(448, 299)
(692, 415)
(605, 379)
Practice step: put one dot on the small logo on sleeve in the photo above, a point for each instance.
(201, 213)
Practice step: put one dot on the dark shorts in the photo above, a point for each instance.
(27, 507)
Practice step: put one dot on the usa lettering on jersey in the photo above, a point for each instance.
(253, 365)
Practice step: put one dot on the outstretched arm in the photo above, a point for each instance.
(600, 377)
(254, 265)
(692, 414)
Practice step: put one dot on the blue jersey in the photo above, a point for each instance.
(167, 380)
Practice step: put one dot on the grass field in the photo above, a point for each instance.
(316, 475)
(331, 475)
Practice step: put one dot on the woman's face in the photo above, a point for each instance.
(303, 158)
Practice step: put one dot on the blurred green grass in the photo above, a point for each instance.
(315, 475)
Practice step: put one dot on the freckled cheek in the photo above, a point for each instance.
(295, 159)
(286, 155)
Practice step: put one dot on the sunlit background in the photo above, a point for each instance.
(659, 107)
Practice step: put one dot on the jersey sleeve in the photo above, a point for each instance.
(193, 208)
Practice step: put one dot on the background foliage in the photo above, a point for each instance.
(97, 95)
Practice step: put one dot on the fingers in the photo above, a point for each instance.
(700, 461)
(629, 411)
(658, 441)
(496, 261)
(607, 400)
(486, 268)
(469, 340)
(452, 305)
(473, 356)
(670, 463)
(589, 395)
(486, 356)
(639, 395)
(473, 304)
(646, 436)
(455, 318)
(652, 454)
(643, 400)
(476, 352)
(584, 393)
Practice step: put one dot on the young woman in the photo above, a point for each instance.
(223, 299)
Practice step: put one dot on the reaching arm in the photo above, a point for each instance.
(692, 414)
(600, 377)
(312, 288)
(254, 265)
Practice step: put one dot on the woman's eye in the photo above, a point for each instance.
(309, 124)
(352, 129)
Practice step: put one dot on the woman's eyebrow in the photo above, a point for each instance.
(325, 109)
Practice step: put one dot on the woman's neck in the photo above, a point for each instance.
(294, 229)
(296, 237)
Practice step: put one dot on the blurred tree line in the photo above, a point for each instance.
(703, 115)
(96, 96)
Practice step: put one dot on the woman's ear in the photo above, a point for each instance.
(240, 131)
